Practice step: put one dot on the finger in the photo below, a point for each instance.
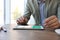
(50, 18)
(52, 21)
(54, 24)
(47, 26)
(18, 21)
(21, 19)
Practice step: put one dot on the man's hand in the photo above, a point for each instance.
(1, 28)
(52, 22)
(22, 20)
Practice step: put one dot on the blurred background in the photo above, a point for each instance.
(10, 10)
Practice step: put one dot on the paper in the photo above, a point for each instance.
(57, 31)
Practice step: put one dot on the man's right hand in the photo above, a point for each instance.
(22, 21)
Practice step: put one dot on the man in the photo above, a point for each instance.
(44, 12)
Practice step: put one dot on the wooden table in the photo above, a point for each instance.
(27, 34)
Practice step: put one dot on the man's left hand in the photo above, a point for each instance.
(52, 22)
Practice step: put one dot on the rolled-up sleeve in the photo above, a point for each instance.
(27, 10)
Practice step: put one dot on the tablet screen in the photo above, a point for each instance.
(19, 27)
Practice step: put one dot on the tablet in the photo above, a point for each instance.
(27, 27)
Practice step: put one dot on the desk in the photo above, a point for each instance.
(27, 34)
